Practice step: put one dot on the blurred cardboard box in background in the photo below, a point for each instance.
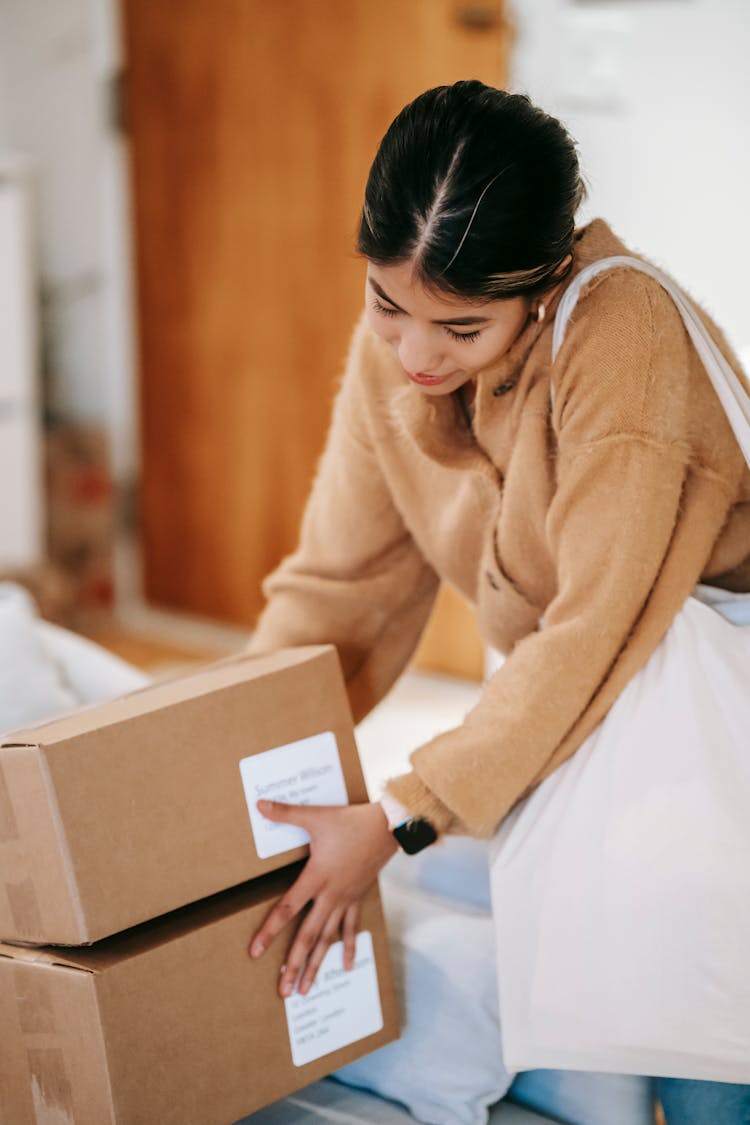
(73, 584)
(80, 507)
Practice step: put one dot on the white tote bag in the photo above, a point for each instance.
(621, 885)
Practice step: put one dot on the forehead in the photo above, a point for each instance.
(402, 286)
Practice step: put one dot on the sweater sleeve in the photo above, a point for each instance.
(631, 525)
(357, 578)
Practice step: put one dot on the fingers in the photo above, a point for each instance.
(328, 935)
(303, 815)
(288, 906)
(282, 813)
(349, 928)
(313, 942)
(314, 936)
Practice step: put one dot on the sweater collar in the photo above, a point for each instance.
(594, 241)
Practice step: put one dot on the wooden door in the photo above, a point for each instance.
(253, 124)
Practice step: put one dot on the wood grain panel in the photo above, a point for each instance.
(253, 124)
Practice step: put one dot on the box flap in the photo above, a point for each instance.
(38, 881)
(157, 931)
(45, 955)
(208, 678)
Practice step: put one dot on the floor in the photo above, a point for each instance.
(162, 641)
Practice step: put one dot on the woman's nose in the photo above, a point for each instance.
(417, 353)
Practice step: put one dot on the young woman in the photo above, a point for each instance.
(576, 504)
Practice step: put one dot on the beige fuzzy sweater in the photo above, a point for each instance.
(598, 514)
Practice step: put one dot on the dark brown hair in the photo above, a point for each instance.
(479, 188)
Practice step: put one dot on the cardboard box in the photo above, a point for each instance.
(125, 811)
(172, 1022)
(80, 509)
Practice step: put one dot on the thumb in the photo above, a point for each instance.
(281, 812)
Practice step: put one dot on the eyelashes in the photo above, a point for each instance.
(385, 310)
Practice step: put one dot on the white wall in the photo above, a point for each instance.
(657, 93)
(56, 57)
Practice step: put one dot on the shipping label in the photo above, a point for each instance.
(306, 772)
(342, 1006)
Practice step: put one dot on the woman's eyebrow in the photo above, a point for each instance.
(382, 293)
(464, 320)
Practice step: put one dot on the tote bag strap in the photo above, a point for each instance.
(732, 394)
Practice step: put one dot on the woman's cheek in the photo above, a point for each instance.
(380, 326)
(488, 350)
(480, 354)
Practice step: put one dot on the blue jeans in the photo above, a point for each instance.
(581, 1098)
(699, 1103)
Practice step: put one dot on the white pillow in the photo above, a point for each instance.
(92, 674)
(46, 671)
(31, 688)
(447, 1066)
(456, 868)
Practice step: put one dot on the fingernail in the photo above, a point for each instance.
(282, 969)
(257, 949)
(304, 988)
(286, 989)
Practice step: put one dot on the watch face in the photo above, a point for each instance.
(415, 834)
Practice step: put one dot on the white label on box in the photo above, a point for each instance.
(342, 1006)
(307, 772)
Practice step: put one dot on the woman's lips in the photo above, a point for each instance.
(426, 380)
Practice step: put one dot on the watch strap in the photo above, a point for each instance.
(414, 834)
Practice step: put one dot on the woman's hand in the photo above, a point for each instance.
(348, 846)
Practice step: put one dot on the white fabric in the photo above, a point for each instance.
(31, 687)
(335, 1104)
(46, 671)
(456, 869)
(621, 886)
(447, 1066)
(91, 672)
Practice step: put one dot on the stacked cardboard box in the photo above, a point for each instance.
(134, 870)
(80, 508)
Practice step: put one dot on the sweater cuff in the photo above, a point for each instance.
(394, 811)
(410, 791)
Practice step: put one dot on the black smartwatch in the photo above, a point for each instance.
(414, 834)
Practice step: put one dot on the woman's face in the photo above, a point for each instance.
(441, 340)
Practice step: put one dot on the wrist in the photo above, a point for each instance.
(411, 833)
(389, 842)
(395, 812)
